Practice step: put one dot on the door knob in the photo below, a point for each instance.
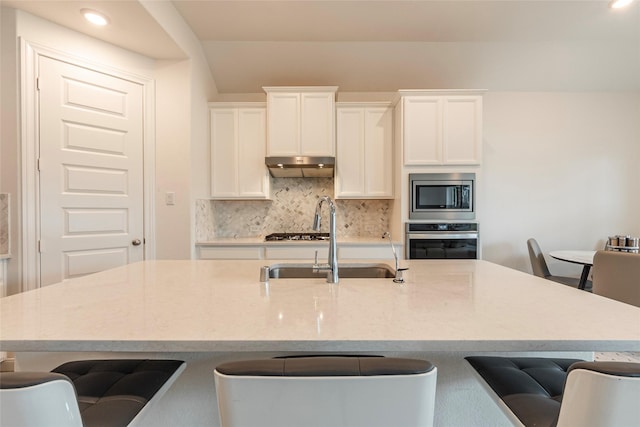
(136, 242)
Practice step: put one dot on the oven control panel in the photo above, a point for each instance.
(444, 227)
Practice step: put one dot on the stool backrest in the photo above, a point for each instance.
(601, 394)
(326, 391)
(33, 399)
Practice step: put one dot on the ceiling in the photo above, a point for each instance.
(378, 46)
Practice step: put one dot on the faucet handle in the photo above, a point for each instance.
(399, 278)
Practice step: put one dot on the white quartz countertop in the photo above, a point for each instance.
(208, 306)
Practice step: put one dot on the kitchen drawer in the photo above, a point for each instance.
(367, 252)
(231, 252)
(298, 252)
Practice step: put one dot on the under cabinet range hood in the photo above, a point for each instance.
(300, 167)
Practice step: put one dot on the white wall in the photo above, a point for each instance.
(173, 159)
(561, 167)
(183, 163)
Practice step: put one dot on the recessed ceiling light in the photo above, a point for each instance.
(617, 4)
(96, 18)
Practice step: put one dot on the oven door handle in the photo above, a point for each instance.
(439, 236)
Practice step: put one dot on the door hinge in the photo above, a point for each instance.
(40, 246)
(37, 83)
(38, 165)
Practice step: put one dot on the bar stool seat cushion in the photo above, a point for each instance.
(112, 392)
(530, 386)
(327, 366)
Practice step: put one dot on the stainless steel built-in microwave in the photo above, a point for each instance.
(442, 196)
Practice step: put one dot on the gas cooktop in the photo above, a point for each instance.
(296, 236)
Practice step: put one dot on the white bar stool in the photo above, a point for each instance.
(333, 391)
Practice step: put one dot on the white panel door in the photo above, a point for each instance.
(91, 174)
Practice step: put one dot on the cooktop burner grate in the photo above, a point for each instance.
(296, 236)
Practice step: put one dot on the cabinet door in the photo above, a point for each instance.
(350, 178)
(368, 252)
(422, 133)
(462, 133)
(378, 152)
(230, 252)
(317, 125)
(283, 124)
(253, 178)
(224, 159)
(237, 153)
(298, 252)
(364, 152)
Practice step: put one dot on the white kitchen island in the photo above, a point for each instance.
(207, 312)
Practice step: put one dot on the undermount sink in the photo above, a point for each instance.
(346, 271)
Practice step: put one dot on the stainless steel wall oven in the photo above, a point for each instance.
(442, 240)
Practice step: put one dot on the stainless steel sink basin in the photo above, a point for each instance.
(346, 271)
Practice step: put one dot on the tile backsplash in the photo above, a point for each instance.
(290, 210)
(4, 223)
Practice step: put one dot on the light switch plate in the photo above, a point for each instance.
(170, 198)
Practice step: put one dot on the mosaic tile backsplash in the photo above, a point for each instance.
(4, 223)
(291, 210)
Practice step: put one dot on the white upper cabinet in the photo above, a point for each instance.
(439, 128)
(364, 151)
(301, 121)
(238, 147)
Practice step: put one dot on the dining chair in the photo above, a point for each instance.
(540, 268)
(616, 275)
(354, 391)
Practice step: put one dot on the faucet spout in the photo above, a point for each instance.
(332, 262)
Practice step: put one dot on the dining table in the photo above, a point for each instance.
(584, 258)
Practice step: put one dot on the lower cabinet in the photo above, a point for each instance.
(307, 253)
(346, 252)
(366, 252)
(231, 252)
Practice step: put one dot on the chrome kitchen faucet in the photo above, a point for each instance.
(332, 262)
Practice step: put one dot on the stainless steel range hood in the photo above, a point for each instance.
(300, 167)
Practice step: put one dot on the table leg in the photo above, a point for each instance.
(584, 276)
